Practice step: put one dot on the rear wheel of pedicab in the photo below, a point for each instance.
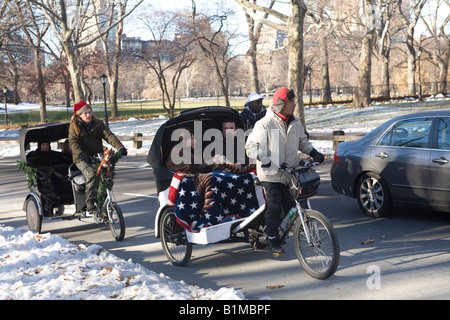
(173, 239)
(320, 258)
(116, 221)
(34, 219)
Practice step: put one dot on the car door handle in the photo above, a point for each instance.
(382, 155)
(441, 160)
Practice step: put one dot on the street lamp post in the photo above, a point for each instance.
(103, 79)
(5, 90)
(419, 53)
(310, 90)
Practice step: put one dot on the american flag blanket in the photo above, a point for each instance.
(212, 198)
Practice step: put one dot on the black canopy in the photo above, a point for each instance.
(51, 132)
(211, 117)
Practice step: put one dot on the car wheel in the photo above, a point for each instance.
(373, 196)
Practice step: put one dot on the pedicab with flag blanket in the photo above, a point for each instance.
(224, 204)
(202, 208)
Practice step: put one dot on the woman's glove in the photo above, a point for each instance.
(123, 151)
(84, 157)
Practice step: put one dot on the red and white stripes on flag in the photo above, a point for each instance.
(173, 189)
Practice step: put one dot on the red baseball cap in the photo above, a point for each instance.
(284, 94)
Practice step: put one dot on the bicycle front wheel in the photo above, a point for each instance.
(116, 221)
(173, 239)
(320, 257)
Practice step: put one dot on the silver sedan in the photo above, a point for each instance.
(405, 161)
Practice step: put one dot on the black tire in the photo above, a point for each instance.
(117, 222)
(173, 239)
(319, 259)
(34, 219)
(373, 196)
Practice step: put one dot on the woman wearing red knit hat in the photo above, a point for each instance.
(86, 135)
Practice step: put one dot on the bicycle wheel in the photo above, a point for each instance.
(116, 221)
(320, 258)
(34, 219)
(173, 239)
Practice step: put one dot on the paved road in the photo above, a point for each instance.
(409, 257)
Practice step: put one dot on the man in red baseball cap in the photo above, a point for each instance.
(275, 140)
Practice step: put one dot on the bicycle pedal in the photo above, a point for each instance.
(277, 254)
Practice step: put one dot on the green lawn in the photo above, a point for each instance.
(126, 110)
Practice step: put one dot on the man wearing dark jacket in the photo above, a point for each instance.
(253, 110)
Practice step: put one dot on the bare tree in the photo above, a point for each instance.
(216, 45)
(321, 18)
(440, 50)
(72, 22)
(254, 33)
(112, 50)
(10, 46)
(410, 13)
(34, 28)
(369, 13)
(383, 43)
(293, 26)
(167, 59)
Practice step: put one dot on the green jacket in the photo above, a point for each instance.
(90, 139)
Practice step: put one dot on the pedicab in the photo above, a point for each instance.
(56, 186)
(231, 207)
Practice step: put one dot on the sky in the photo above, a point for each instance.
(237, 21)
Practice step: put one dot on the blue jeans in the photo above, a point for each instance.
(278, 200)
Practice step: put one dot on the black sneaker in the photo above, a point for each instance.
(273, 244)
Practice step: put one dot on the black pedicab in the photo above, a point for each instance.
(56, 185)
(315, 241)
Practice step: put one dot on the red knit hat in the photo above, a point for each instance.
(80, 107)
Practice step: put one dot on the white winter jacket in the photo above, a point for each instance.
(273, 142)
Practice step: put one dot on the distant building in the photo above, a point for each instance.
(271, 40)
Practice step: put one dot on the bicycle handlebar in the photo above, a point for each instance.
(302, 163)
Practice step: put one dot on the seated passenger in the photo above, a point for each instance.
(51, 176)
(213, 195)
(183, 158)
(44, 156)
(233, 157)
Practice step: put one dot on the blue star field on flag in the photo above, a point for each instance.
(223, 197)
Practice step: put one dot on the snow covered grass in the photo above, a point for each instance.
(318, 119)
(49, 267)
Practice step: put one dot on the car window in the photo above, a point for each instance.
(411, 133)
(444, 134)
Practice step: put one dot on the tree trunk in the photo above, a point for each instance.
(411, 75)
(75, 73)
(385, 91)
(443, 70)
(254, 80)
(40, 85)
(362, 97)
(115, 69)
(295, 52)
(326, 88)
